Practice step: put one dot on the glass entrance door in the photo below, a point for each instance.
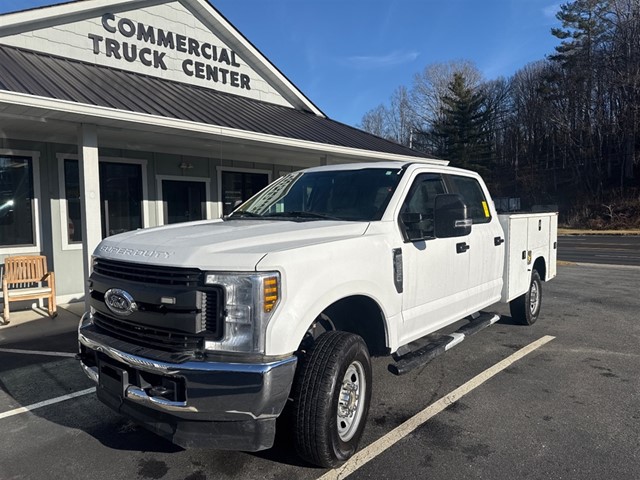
(184, 201)
(240, 186)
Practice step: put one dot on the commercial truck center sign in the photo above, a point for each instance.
(207, 62)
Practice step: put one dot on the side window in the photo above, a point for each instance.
(17, 202)
(473, 195)
(421, 200)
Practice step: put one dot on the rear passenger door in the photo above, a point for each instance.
(486, 242)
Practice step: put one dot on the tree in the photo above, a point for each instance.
(462, 126)
(374, 121)
(625, 68)
(394, 122)
(432, 84)
(585, 25)
(400, 117)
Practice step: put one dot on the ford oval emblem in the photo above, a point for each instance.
(120, 302)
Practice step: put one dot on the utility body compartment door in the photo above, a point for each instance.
(516, 270)
(529, 236)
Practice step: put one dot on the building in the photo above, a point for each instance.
(122, 114)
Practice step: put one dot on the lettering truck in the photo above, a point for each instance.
(206, 332)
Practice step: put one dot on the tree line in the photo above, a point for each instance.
(563, 130)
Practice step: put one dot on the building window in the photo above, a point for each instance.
(183, 201)
(17, 207)
(120, 198)
(72, 195)
(238, 186)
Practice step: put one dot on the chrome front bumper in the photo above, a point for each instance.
(220, 405)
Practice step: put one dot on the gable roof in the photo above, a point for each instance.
(74, 11)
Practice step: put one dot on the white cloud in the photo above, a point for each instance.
(381, 61)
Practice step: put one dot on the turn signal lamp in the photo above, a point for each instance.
(271, 293)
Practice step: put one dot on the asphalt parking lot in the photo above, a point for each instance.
(569, 409)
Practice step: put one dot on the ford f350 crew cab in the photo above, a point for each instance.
(204, 331)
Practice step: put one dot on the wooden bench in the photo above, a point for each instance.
(24, 278)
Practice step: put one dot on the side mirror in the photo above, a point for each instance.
(451, 218)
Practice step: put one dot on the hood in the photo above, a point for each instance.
(233, 245)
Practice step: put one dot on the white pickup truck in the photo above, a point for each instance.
(205, 331)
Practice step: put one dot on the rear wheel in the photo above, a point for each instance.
(331, 398)
(526, 308)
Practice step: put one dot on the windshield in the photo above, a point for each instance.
(360, 195)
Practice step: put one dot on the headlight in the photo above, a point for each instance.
(250, 300)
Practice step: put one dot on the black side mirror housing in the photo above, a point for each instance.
(451, 218)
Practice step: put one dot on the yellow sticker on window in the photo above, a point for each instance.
(485, 207)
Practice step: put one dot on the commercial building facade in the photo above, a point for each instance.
(123, 114)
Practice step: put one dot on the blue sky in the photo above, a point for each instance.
(348, 56)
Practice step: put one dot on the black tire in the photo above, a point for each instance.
(327, 430)
(526, 308)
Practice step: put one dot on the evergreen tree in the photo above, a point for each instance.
(460, 132)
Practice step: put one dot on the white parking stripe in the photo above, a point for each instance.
(44, 403)
(398, 433)
(38, 352)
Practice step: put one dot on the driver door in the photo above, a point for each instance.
(435, 275)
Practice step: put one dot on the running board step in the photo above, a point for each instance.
(424, 355)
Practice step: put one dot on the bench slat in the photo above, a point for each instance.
(29, 291)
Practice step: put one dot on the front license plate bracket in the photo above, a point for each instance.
(113, 379)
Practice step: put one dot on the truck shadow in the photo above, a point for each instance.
(26, 379)
(283, 450)
(507, 320)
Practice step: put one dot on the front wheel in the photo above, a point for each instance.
(331, 398)
(526, 308)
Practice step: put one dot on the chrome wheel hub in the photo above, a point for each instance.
(534, 296)
(350, 406)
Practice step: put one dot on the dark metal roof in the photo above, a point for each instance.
(59, 78)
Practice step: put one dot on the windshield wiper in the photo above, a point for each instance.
(301, 214)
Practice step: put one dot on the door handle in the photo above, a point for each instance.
(462, 247)
(497, 241)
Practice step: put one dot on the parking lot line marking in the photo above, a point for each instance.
(44, 403)
(38, 352)
(376, 448)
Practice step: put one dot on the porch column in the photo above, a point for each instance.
(89, 198)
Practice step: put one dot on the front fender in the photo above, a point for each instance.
(287, 329)
(316, 276)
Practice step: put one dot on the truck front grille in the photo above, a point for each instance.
(175, 312)
(149, 337)
(150, 274)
